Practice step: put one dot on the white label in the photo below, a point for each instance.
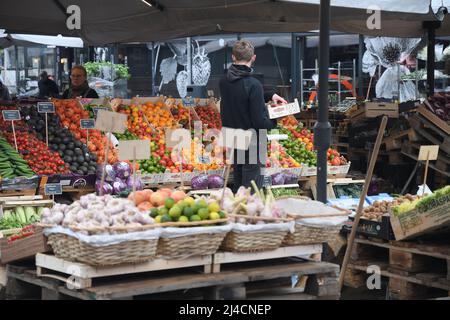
(284, 110)
(111, 121)
(134, 149)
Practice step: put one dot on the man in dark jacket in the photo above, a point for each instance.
(243, 107)
(4, 92)
(79, 86)
(47, 87)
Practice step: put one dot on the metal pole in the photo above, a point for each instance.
(417, 80)
(339, 82)
(354, 77)
(153, 68)
(301, 85)
(295, 72)
(360, 69)
(322, 129)
(189, 60)
(316, 66)
(431, 60)
(16, 57)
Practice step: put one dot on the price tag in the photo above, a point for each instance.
(109, 121)
(204, 159)
(188, 102)
(11, 115)
(52, 189)
(271, 137)
(95, 110)
(267, 181)
(46, 107)
(134, 150)
(87, 123)
(284, 110)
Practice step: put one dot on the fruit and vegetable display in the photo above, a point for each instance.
(12, 165)
(278, 157)
(19, 217)
(285, 192)
(281, 178)
(258, 204)
(439, 197)
(153, 165)
(61, 140)
(209, 117)
(127, 135)
(70, 112)
(90, 212)
(204, 181)
(37, 155)
(181, 114)
(23, 233)
(380, 208)
(119, 179)
(166, 205)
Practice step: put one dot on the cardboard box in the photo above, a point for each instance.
(284, 110)
(418, 222)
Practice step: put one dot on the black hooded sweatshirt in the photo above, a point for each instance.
(242, 103)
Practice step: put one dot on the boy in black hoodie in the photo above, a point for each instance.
(243, 106)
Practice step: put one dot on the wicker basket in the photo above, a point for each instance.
(311, 235)
(255, 241)
(72, 249)
(305, 234)
(193, 243)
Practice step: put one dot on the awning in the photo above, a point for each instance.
(116, 21)
(7, 40)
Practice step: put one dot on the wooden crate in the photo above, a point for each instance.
(23, 248)
(80, 275)
(376, 109)
(222, 258)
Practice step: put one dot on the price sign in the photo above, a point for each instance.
(46, 107)
(51, 189)
(97, 109)
(188, 102)
(11, 115)
(87, 124)
(204, 159)
(111, 121)
(267, 181)
(284, 110)
(134, 150)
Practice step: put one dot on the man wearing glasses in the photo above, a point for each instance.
(78, 85)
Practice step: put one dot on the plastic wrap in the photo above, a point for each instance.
(171, 232)
(106, 239)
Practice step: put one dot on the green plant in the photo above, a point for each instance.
(93, 69)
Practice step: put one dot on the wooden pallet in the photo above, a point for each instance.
(410, 266)
(80, 275)
(230, 284)
(313, 252)
(430, 132)
(17, 193)
(396, 140)
(430, 116)
(411, 150)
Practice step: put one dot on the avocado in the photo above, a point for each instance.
(80, 159)
(91, 172)
(71, 146)
(62, 147)
(78, 144)
(92, 168)
(87, 156)
(79, 172)
(78, 152)
(57, 140)
(73, 168)
(54, 147)
(83, 168)
(85, 164)
(68, 159)
(69, 153)
(61, 153)
(65, 140)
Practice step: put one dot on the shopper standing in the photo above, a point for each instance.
(47, 87)
(4, 92)
(78, 85)
(243, 106)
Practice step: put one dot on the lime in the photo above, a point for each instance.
(175, 212)
(166, 218)
(158, 219)
(222, 214)
(202, 203)
(195, 208)
(195, 218)
(162, 211)
(214, 216)
(183, 219)
(203, 213)
(182, 204)
(189, 200)
(187, 211)
(169, 203)
(213, 207)
(153, 212)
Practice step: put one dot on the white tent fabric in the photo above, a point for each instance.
(7, 40)
(115, 21)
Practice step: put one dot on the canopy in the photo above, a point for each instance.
(7, 40)
(116, 21)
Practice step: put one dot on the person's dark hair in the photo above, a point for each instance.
(80, 68)
(44, 75)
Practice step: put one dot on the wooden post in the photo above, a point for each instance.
(362, 199)
(426, 173)
(46, 129)
(369, 88)
(14, 134)
(134, 172)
